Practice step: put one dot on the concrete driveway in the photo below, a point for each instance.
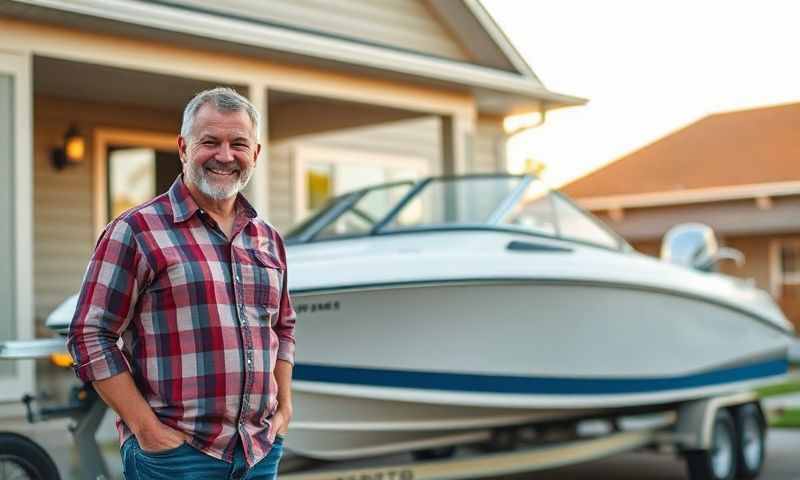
(783, 463)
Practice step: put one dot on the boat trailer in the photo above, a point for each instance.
(720, 437)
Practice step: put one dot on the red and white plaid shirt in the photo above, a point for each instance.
(203, 320)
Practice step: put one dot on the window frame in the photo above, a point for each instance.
(107, 137)
(304, 155)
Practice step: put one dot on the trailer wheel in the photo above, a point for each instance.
(751, 429)
(718, 462)
(21, 457)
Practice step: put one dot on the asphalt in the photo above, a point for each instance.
(784, 464)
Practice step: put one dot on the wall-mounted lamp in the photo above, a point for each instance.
(72, 152)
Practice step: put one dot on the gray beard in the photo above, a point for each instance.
(198, 176)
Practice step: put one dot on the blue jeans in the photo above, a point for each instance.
(187, 463)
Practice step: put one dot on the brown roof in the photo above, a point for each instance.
(726, 149)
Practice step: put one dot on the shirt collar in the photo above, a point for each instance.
(184, 206)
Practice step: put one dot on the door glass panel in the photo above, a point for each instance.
(8, 320)
(135, 175)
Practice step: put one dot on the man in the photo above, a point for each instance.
(195, 286)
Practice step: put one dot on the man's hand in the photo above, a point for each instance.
(280, 421)
(159, 437)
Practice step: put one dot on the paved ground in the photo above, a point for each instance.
(783, 462)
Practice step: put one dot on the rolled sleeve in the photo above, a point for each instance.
(106, 304)
(284, 327)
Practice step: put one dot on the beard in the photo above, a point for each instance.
(217, 188)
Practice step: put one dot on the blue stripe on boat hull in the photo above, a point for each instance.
(533, 385)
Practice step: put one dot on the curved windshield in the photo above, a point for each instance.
(518, 203)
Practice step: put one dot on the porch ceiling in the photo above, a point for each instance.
(104, 84)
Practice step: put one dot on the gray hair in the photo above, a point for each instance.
(224, 100)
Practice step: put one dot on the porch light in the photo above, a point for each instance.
(72, 152)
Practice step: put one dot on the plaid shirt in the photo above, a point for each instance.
(202, 320)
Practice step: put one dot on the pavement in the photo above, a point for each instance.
(54, 437)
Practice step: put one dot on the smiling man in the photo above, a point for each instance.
(195, 286)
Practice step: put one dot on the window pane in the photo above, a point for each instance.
(467, 201)
(319, 185)
(790, 258)
(574, 224)
(131, 178)
(353, 176)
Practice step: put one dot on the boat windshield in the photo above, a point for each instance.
(519, 203)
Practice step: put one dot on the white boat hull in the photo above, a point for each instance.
(442, 366)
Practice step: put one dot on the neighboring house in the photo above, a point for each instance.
(353, 91)
(738, 172)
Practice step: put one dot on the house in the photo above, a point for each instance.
(737, 172)
(353, 92)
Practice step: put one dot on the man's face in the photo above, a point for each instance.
(219, 157)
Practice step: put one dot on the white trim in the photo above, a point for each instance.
(696, 195)
(219, 68)
(258, 188)
(302, 154)
(18, 65)
(103, 137)
(202, 24)
(479, 11)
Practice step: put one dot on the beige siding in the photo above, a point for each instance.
(63, 230)
(405, 24)
(419, 138)
(489, 149)
(281, 204)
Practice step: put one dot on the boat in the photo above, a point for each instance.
(439, 312)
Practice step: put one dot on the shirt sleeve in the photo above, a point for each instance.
(106, 304)
(284, 327)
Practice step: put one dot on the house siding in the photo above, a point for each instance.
(418, 138)
(64, 235)
(490, 146)
(403, 24)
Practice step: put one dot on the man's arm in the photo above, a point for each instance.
(121, 394)
(284, 328)
(109, 293)
(283, 376)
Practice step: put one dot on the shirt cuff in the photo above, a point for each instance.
(112, 362)
(286, 352)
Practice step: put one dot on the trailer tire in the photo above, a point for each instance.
(26, 456)
(719, 461)
(751, 429)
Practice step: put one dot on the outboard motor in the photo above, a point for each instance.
(694, 245)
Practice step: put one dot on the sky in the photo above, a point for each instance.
(648, 68)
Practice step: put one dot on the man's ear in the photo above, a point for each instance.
(256, 153)
(182, 148)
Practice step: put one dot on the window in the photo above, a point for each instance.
(133, 167)
(324, 173)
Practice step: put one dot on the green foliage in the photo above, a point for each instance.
(786, 419)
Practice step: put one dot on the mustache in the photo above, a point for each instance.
(223, 167)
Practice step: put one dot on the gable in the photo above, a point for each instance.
(409, 25)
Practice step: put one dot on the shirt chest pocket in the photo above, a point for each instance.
(263, 281)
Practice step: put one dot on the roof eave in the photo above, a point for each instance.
(201, 24)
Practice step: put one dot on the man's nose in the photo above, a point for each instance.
(225, 153)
